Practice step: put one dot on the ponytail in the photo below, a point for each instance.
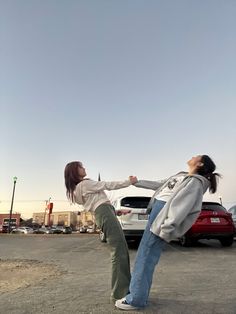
(213, 178)
(207, 170)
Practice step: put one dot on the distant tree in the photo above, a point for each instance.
(29, 223)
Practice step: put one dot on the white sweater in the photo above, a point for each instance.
(91, 193)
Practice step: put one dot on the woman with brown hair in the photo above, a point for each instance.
(91, 195)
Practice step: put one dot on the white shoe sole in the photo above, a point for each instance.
(125, 307)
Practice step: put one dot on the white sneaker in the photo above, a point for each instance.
(123, 305)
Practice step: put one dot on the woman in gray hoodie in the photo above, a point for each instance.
(175, 207)
(91, 195)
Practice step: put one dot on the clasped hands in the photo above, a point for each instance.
(133, 179)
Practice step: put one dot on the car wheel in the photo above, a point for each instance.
(185, 240)
(102, 236)
(227, 241)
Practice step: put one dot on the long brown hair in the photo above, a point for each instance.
(72, 178)
(207, 170)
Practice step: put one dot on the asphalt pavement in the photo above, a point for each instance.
(71, 274)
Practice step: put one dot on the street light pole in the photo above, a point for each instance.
(12, 201)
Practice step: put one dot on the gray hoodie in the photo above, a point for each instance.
(182, 209)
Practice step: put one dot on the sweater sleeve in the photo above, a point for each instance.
(91, 186)
(151, 185)
(187, 200)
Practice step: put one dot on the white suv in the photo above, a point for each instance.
(132, 216)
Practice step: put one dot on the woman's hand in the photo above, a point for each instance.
(133, 179)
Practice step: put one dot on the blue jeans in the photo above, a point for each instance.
(147, 257)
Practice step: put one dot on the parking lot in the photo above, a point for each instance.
(71, 274)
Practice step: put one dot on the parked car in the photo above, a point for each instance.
(90, 229)
(56, 230)
(83, 229)
(232, 211)
(214, 222)
(131, 214)
(62, 229)
(23, 230)
(67, 230)
(43, 230)
(5, 228)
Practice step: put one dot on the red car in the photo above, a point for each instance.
(214, 222)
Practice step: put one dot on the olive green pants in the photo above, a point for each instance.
(106, 220)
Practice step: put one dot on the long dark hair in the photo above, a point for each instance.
(207, 170)
(72, 178)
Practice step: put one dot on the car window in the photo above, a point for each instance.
(233, 210)
(135, 202)
(213, 207)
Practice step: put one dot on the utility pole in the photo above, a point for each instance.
(12, 201)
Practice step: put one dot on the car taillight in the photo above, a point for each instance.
(123, 212)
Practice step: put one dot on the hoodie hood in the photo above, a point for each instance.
(182, 209)
(205, 182)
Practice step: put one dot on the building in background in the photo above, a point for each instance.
(64, 218)
(86, 219)
(15, 220)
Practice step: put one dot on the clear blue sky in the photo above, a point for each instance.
(127, 87)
